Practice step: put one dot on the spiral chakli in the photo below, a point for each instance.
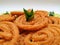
(9, 33)
(47, 36)
(7, 17)
(35, 24)
(54, 20)
(42, 13)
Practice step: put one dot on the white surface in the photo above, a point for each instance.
(50, 5)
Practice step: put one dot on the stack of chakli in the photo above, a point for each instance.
(41, 30)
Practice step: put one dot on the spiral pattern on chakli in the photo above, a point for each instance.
(47, 36)
(7, 17)
(9, 33)
(35, 24)
(53, 20)
(42, 13)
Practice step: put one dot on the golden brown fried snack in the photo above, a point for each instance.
(18, 13)
(6, 17)
(47, 36)
(9, 34)
(23, 35)
(42, 13)
(54, 20)
(21, 40)
(35, 24)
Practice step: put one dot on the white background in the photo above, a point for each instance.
(50, 5)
